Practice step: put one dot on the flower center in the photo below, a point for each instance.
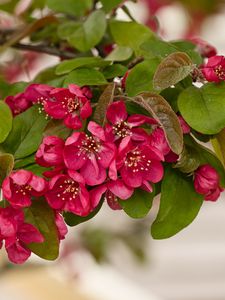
(69, 190)
(137, 162)
(122, 129)
(73, 104)
(220, 72)
(23, 189)
(90, 145)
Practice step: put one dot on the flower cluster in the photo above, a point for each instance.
(98, 162)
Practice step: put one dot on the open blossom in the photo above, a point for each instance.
(21, 186)
(18, 103)
(68, 193)
(206, 182)
(90, 154)
(139, 165)
(61, 226)
(70, 104)
(214, 70)
(123, 125)
(17, 234)
(37, 93)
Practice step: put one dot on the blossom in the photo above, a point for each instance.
(18, 103)
(90, 154)
(139, 165)
(67, 192)
(206, 182)
(50, 152)
(113, 190)
(204, 48)
(17, 234)
(158, 140)
(21, 186)
(60, 225)
(37, 93)
(184, 126)
(214, 70)
(123, 126)
(70, 104)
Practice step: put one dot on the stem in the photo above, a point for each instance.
(135, 62)
(45, 49)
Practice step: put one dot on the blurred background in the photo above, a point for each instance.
(112, 257)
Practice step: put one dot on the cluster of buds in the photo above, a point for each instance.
(103, 162)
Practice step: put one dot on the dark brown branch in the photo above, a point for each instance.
(135, 61)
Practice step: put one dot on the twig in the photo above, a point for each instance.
(136, 61)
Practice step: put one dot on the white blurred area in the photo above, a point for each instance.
(189, 266)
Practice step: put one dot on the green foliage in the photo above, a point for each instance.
(120, 53)
(115, 70)
(204, 108)
(72, 64)
(140, 78)
(42, 217)
(179, 205)
(70, 7)
(219, 145)
(6, 121)
(90, 32)
(130, 34)
(108, 5)
(85, 76)
(6, 165)
(26, 133)
(139, 204)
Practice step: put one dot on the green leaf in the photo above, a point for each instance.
(6, 165)
(71, 7)
(155, 47)
(204, 108)
(105, 99)
(188, 161)
(160, 109)
(115, 70)
(72, 64)
(174, 68)
(58, 128)
(42, 217)
(26, 133)
(129, 34)
(84, 76)
(90, 32)
(73, 220)
(6, 121)
(139, 204)
(12, 89)
(108, 5)
(179, 205)
(67, 28)
(21, 163)
(219, 145)
(120, 53)
(141, 76)
(206, 156)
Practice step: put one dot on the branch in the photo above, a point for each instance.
(45, 49)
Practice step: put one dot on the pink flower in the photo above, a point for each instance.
(37, 93)
(158, 140)
(113, 190)
(21, 186)
(70, 104)
(214, 70)
(204, 48)
(68, 193)
(87, 92)
(18, 235)
(206, 182)
(50, 152)
(90, 154)
(61, 226)
(185, 127)
(124, 80)
(139, 165)
(18, 103)
(123, 126)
